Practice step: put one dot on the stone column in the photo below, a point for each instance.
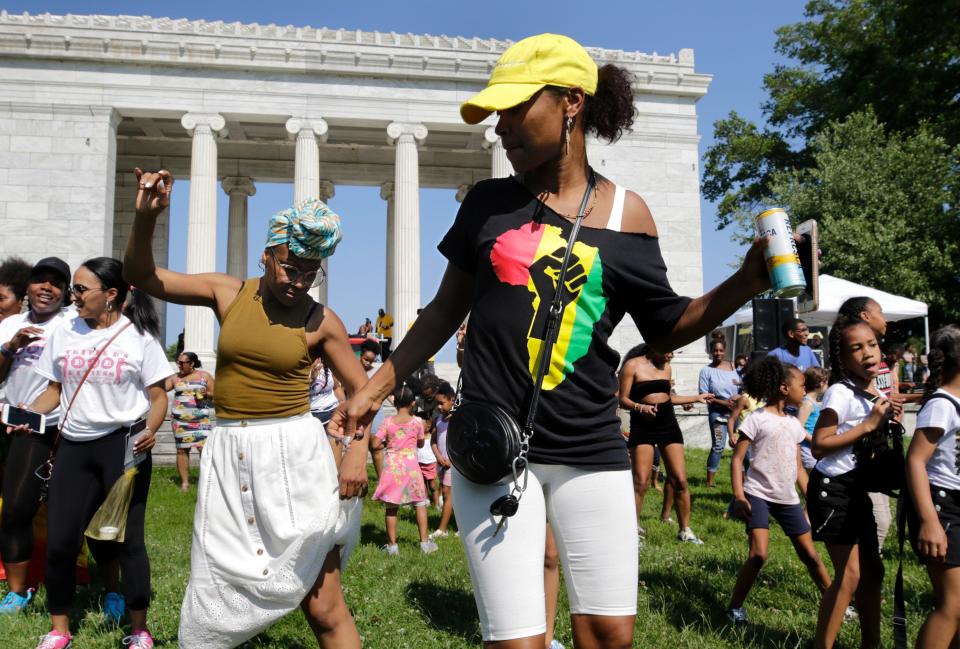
(386, 193)
(202, 226)
(500, 167)
(405, 277)
(239, 189)
(321, 294)
(306, 174)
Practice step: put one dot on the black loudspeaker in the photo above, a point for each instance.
(769, 316)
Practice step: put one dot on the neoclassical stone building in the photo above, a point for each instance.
(84, 99)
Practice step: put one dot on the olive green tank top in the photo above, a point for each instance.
(263, 362)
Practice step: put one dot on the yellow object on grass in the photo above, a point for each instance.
(109, 523)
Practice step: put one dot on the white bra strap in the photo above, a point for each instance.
(616, 213)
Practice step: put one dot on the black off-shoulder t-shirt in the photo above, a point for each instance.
(513, 245)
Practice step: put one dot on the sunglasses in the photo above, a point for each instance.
(80, 289)
(294, 275)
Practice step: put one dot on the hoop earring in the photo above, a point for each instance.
(262, 267)
(109, 306)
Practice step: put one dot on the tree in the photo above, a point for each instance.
(900, 58)
(888, 206)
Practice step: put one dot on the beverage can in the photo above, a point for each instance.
(783, 262)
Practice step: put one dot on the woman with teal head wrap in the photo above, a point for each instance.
(310, 230)
(271, 331)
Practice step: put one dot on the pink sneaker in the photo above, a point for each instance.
(55, 640)
(139, 640)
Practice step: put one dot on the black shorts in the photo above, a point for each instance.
(947, 503)
(841, 512)
(790, 517)
(654, 438)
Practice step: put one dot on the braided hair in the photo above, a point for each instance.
(835, 344)
(854, 306)
(943, 359)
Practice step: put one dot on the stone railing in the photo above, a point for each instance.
(169, 41)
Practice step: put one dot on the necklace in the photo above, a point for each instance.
(545, 194)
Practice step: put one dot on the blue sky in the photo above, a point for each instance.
(733, 41)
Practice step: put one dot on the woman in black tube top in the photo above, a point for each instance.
(645, 390)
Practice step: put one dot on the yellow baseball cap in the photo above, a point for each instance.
(528, 66)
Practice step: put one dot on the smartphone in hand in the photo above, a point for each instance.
(14, 416)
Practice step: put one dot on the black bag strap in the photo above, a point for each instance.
(556, 312)
(945, 397)
(899, 606)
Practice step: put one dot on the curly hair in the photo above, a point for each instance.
(610, 111)
(943, 359)
(763, 378)
(15, 273)
(835, 344)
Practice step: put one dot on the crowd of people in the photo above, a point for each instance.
(291, 415)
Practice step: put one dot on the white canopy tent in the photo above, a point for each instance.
(835, 291)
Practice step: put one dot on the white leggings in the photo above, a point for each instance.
(594, 522)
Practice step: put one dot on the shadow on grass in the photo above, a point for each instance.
(370, 533)
(270, 639)
(696, 603)
(446, 609)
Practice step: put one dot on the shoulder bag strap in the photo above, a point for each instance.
(90, 366)
(556, 313)
(940, 395)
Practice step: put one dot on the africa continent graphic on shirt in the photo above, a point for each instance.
(531, 256)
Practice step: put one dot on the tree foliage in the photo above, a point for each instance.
(900, 58)
(861, 132)
(887, 206)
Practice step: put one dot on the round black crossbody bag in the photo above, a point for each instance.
(482, 441)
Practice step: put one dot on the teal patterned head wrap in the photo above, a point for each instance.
(310, 230)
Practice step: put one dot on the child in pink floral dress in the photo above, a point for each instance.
(400, 481)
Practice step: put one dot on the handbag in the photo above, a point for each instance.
(486, 443)
(45, 471)
(880, 464)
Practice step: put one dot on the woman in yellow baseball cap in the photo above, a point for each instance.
(505, 251)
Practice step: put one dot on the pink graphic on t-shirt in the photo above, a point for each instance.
(105, 369)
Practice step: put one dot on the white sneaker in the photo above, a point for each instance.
(439, 534)
(641, 533)
(687, 536)
(391, 550)
(428, 547)
(555, 644)
(850, 614)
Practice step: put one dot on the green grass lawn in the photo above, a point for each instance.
(426, 601)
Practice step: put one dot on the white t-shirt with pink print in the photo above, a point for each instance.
(114, 393)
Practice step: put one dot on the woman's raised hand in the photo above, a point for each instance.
(153, 191)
